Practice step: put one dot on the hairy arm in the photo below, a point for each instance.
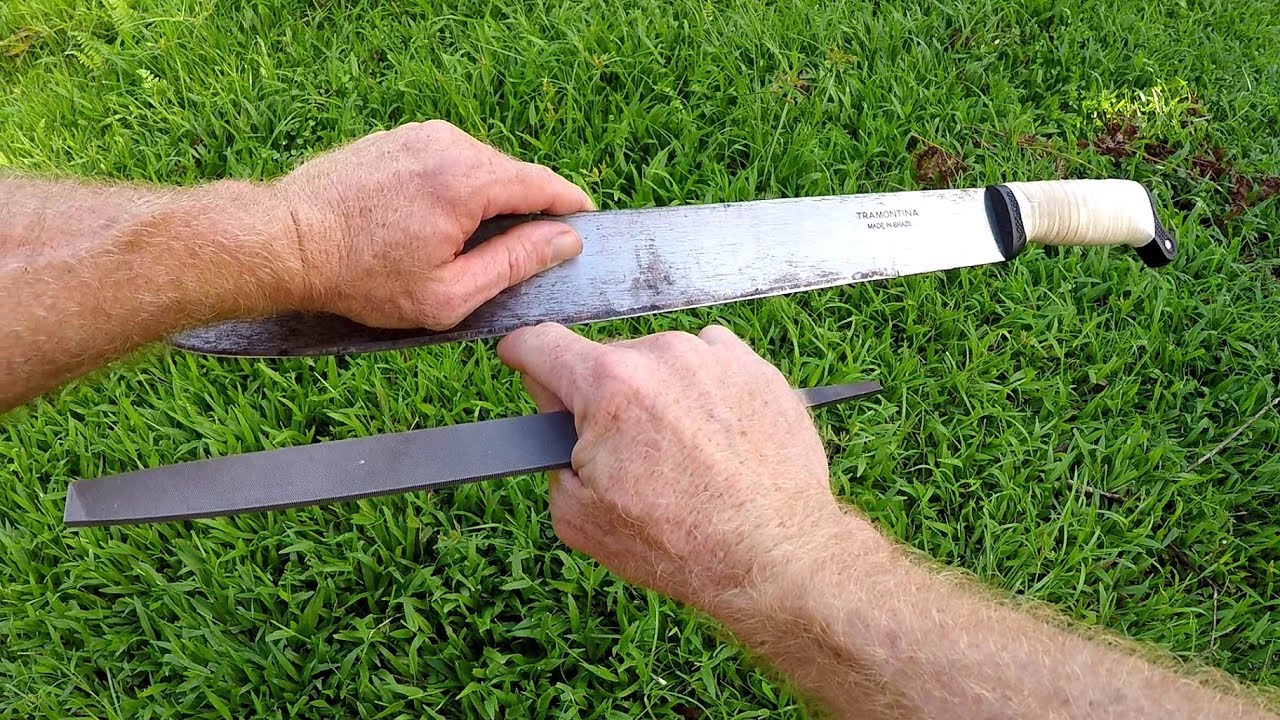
(865, 631)
(698, 473)
(373, 231)
(91, 272)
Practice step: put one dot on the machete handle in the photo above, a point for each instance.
(1079, 212)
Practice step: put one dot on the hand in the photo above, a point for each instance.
(380, 224)
(695, 460)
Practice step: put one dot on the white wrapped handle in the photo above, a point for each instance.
(1083, 212)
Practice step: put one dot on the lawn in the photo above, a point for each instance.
(1055, 426)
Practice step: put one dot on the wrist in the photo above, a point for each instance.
(794, 563)
(316, 239)
(269, 246)
(251, 243)
(210, 253)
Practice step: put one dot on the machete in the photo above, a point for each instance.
(636, 262)
(343, 470)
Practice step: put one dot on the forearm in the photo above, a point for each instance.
(868, 633)
(92, 272)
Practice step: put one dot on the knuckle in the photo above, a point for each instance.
(411, 130)
(619, 379)
(439, 128)
(424, 136)
(525, 259)
(540, 173)
(411, 140)
(675, 342)
(715, 329)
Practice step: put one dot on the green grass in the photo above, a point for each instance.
(1039, 418)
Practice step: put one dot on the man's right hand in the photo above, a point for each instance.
(698, 473)
(696, 464)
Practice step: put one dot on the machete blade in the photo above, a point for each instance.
(637, 262)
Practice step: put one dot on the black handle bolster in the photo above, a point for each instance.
(1163, 248)
(1006, 219)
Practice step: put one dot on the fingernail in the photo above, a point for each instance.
(565, 245)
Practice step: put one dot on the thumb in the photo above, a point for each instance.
(505, 260)
(557, 359)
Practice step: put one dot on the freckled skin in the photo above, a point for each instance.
(698, 472)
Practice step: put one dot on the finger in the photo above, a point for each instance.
(518, 187)
(474, 277)
(664, 344)
(555, 357)
(721, 336)
(570, 504)
(542, 397)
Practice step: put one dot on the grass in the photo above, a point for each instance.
(1041, 419)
